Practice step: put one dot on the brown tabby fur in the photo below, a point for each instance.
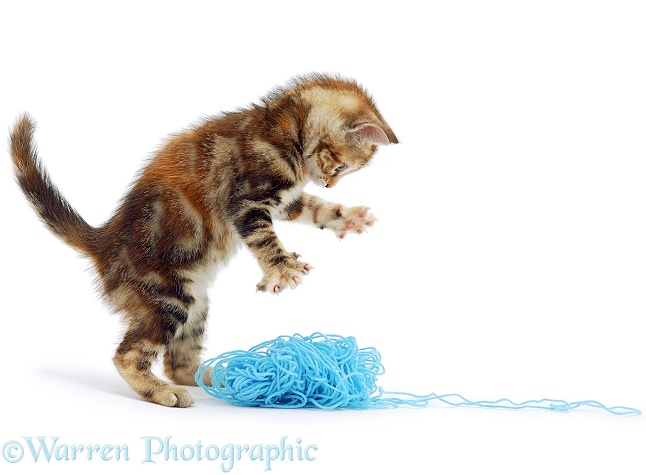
(220, 183)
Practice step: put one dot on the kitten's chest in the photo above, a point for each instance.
(286, 198)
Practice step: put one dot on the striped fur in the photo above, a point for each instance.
(208, 190)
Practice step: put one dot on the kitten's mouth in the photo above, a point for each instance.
(320, 181)
(316, 178)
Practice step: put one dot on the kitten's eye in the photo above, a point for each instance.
(340, 168)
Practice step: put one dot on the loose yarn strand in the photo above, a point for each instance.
(329, 372)
(457, 400)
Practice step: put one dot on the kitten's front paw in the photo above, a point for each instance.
(351, 220)
(287, 275)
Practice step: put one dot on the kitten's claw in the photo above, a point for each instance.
(354, 220)
(287, 275)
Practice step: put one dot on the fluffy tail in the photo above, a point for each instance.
(48, 202)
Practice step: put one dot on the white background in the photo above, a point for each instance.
(509, 259)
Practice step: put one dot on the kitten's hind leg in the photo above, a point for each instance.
(182, 357)
(134, 359)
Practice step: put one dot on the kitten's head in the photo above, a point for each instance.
(342, 131)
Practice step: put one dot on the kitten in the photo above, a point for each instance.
(210, 188)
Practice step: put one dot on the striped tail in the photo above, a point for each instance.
(48, 202)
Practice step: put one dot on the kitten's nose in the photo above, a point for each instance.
(330, 183)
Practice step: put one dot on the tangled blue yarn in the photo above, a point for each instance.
(323, 371)
(328, 372)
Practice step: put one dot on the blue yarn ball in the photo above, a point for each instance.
(321, 371)
(330, 371)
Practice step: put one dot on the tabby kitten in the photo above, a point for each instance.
(208, 189)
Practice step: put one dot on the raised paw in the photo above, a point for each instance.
(287, 275)
(351, 220)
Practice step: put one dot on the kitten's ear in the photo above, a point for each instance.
(372, 133)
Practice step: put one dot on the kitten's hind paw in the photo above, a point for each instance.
(351, 220)
(288, 275)
(170, 396)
